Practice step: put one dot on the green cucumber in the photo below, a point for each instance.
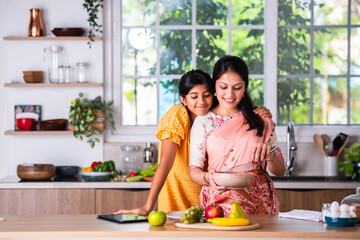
(150, 169)
(134, 179)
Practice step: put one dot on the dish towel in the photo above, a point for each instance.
(303, 215)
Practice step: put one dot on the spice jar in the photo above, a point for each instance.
(81, 75)
(354, 202)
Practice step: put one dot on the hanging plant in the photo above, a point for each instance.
(92, 8)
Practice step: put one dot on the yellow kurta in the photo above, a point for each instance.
(179, 192)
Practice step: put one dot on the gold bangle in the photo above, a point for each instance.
(206, 182)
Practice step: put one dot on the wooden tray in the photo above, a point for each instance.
(214, 227)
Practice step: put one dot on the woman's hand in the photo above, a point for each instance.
(263, 112)
(213, 184)
(143, 211)
(260, 152)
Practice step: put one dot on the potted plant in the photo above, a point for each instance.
(87, 117)
(92, 8)
(352, 162)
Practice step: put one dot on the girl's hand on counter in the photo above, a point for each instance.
(137, 211)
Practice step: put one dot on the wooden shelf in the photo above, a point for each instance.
(41, 85)
(82, 38)
(14, 133)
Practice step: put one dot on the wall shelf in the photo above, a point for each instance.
(81, 38)
(16, 133)
(29, 85)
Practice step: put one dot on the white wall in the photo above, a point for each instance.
(16, 56)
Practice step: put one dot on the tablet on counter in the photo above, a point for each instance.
(120, 218)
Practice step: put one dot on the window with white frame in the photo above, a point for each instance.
(318, 62)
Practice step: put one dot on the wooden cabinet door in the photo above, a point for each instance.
(47, 201)
(291, 199)
(112, 200)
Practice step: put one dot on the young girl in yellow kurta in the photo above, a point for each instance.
(171, 184)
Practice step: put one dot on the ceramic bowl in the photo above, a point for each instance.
(68, 31)
(67, 171)
(341, 222)
(54, 124)
(96, 176)
(25, 124)
(233, 180)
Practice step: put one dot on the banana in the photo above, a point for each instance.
(229, 221)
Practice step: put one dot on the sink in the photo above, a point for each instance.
(312, 178)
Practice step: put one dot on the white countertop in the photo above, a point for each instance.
(13, 182)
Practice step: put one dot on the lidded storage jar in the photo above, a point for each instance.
(130, 160)
(354, 202)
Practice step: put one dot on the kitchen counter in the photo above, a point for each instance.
(13, 182)
(87, 226)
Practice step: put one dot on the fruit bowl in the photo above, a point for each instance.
(233, 180)
(96, 176)
(341, 222)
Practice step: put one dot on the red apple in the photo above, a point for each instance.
(213, 211)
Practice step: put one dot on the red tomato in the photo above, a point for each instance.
(132, 174)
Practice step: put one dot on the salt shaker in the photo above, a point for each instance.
(67, 74)
(61, 74)
(325, 209)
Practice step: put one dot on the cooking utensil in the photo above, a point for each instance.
(35, 172)
(337, 143)
(326, 140)
(66, 171)
(319, 142)
(344, 144)
(214, 227)
(240, 168)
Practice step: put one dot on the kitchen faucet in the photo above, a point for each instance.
(291, 148)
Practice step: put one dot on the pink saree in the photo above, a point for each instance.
(228, 145)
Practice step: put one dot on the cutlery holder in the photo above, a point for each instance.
(330, 166)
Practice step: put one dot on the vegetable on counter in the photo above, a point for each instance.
(132, 174)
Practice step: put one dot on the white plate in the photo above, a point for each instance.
(175, 214)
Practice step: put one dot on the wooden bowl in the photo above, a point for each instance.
(35, 172)
(54, 124)
(68, 31)
(233, 180)
(33, 76)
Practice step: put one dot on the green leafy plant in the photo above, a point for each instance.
(88, 117)
(352, 157)
(92, 8)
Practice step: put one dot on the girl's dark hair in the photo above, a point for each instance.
(237, 65)
(192, 78)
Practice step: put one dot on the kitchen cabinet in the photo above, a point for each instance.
(69, 201)
(309, 199)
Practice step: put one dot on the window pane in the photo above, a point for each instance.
(139, 53)
(293, 100)
(355, 101)
(175, 55)
(212, 12)
(294, 12)
(138, 12)
(210, 46)
(355, 51)
(330, 12)
(256, 91)
(139, 103)
(175, 12)
(330, 49)
(250, 12)
(330, 101)
(293, 51)
(355, 12)
(249, 45)
(168, 95)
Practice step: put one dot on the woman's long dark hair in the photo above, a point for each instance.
(192, 78)
(237, 65)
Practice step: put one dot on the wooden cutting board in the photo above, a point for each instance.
(214, 227)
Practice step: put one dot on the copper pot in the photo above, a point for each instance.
(36, 26)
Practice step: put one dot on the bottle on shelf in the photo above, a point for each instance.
(148, 156)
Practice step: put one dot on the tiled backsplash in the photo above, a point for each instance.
(309, 160)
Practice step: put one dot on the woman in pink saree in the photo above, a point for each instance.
(230, 135)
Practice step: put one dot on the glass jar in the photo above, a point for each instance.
(354, 202)
(325, 209)
(130, 161)
(81, 75)
(61, 74)
(67, 74)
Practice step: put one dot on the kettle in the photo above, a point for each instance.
(53, 56)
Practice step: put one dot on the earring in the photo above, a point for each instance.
(214, 94)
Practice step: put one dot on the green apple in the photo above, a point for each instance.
(157, 218)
